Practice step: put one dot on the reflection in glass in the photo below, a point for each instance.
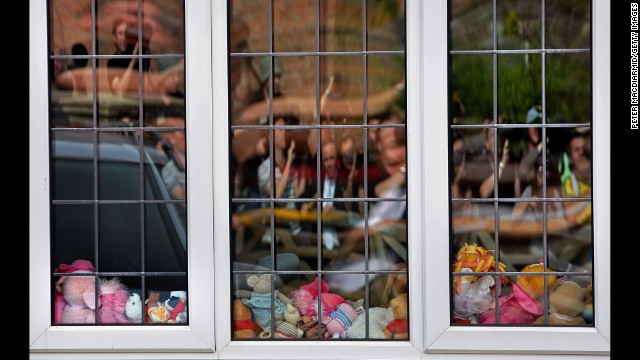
(387, 234)
(72, 233)
(519, 86)
(70, 28)
(520, 20)
(341, 25)
(72, 165)
(119, 227)
(113, 229)
(165, 238)
(299, 201)
(118, 174)
(386, 85)
(293, 25)
(527, 169)
(385, 25)
(471, 89)
(248, 24)
(471, 25)
(568, 24)
(568, 85)
(341, 87)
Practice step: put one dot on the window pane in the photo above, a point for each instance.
(512, 177)
(471, 24)
(318, 138)
(118, 159)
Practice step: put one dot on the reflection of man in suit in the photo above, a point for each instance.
(332, 186)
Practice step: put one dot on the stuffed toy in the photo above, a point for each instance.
(243, 326)
(259, 300)
(523, 305)
(59, 301)
(309, 324)
(177, 305)
(477, 259)
(133, 309)
(306, 299)
(113, 301)
(379, 318)
(158, 314)
(396, 283)
(339, 321)
(566, 303)
(152, 300)
(472, 298)
(398, 328)
(587, 313)
(288, 329)
(79, 292)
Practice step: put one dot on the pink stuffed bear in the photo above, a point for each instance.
(79, 293)
(60, 303)
(305, 299)
(113, 301)
(339, 321)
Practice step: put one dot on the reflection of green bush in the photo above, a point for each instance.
(568, 76)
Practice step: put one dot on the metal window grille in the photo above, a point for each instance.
(108, 198)
(274, 40)
(542, 38)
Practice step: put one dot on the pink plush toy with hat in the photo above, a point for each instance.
(306, 299)
(113, 301)
(78, 292)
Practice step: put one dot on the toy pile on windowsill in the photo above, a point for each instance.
(75, 300)
(474, 296)
(297, 315)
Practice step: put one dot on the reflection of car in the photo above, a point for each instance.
(119, 227)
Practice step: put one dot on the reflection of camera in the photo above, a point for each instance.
(132, 35)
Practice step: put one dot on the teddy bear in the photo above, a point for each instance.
(260, 299)
(309, 324)
(113, 301)
(133, 309)
(60, 303)
(566, 303)
(79, 292)
(288, 329)
(379, 318)
(398, 328)
(339, 321)
(306, 299)
(243, 326)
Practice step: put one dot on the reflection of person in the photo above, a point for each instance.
(349, 162)
(333, 186)
(287, 182)
(173, 173)
(576, 175)
(126, 43)
(531, 210)
(391, 144)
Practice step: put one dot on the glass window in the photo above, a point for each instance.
(318, 169)
(118, 162)
(521, 166)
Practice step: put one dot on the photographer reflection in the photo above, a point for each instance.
(288, 183)
(120, 71)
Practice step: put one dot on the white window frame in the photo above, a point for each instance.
(208, 205)
(440, 336)
(198, 335)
